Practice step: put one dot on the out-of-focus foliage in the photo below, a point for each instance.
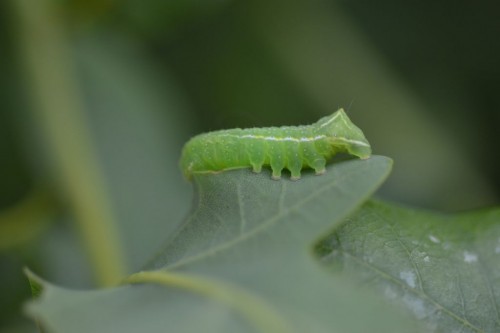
(420, 79)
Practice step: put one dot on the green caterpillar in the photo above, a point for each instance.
(290, 147)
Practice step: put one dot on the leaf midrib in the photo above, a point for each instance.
(263, 226)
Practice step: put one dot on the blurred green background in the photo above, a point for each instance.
(97, 98)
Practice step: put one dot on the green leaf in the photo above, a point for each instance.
(36, 284)
(241, 262)
(444, 268)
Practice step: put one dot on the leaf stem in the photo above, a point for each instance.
(259, 313)
(60, 110)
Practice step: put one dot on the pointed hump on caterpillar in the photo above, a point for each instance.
(288, 147)
(342, 133)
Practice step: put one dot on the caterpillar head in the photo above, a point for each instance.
(343, 134)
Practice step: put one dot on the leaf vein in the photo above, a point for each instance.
(417, 292)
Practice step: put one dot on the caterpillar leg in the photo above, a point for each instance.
(277, 165)
(320, 172)
(277, 158)
(295, 176)
(255, 154)
(276, 174)
(313, 158)
(295, 170)
(319, 166)
(257, 168)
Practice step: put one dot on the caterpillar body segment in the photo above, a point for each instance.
(288, 147)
